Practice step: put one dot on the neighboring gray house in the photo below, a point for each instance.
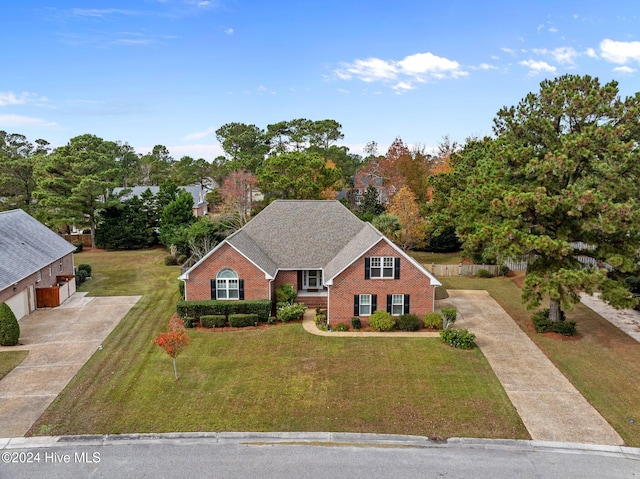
(34, 262)
(200, 205)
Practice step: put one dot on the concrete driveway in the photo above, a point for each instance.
(550, 406)
(59, 342)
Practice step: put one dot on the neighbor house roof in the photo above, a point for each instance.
(27, 246)
(304, 234)
(196, 191)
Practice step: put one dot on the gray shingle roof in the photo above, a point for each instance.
(299, 234)
(304, 234)
(26, 246)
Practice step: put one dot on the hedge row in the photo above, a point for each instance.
(196, 309)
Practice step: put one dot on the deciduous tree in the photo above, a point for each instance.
(174, 341)
(237, 194)
(412, 225)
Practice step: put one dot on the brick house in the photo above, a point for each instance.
(333, 258)
(33, 260)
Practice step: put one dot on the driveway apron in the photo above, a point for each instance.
(551, 408)
(59, 342)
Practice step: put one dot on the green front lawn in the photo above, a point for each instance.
(428, 259)
(603, 363)
(9, 360)
(274, 379)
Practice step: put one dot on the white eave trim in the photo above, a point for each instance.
(185, 276)
(434, 281)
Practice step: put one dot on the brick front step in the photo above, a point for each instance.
(313, 302)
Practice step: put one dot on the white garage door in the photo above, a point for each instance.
(19, 304)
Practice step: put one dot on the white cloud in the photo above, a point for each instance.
(101, 12)
(402, 87)
(536, 67)
(590, 52)
(265, 89)
(10, 98)
(486, 66)
(553, 29)
(229, 31)
(419, 67)
(200, 134)
(430, 64)
(342, 90)
(625, 70)
(563, 55)
(19, 120)
(620, 52)
(369, 70)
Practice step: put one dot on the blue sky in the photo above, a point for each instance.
(171, 72)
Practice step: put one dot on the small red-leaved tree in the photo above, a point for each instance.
(173, 341)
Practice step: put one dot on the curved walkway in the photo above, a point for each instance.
(551, 408)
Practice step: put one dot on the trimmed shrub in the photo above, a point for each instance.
(79, 246)
(504, 270)
(213, 321)
(81, 276)
(189, 322)
(432, 321)
(342, 327)
(483, 273)
(242, 320)
(181, 289)
(321, 319)
(84, 267)
(170, 260)
(409, 322)
(286, 293)
(9, 327)
(195, 309)
(382, 321)
(290, 312)
(449, 316)
(542, 323)
(458, 338)
(356, 323)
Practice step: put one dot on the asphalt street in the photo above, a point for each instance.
(312, 455)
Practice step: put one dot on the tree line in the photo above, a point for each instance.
(556, 183)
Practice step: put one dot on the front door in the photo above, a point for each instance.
(312, 279)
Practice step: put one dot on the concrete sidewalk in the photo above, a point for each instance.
(59, 341)
(551, 408)
(627, 320)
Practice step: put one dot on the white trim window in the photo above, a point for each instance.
(227, 285)
(397, 304)
(382, 267)
(365, 305)
(61, 265)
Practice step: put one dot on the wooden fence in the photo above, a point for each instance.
(85, 239)
(444, 270)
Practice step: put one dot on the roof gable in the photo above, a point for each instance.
(302, 234)
(27, 246)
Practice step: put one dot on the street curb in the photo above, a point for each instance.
(330, 438)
